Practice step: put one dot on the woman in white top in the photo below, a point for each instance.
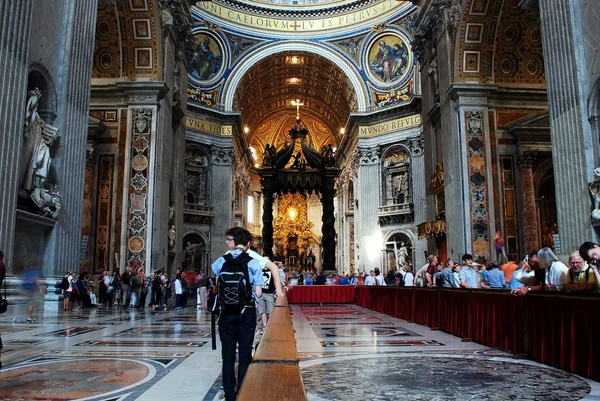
(556, 271)
(408, 276)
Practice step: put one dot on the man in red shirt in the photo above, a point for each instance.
(431, 270)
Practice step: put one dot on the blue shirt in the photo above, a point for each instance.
(514, 283)
(447, 275)
(469, 275)
(496, 278)
(254, 269)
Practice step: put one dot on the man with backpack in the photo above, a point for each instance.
(236, 274)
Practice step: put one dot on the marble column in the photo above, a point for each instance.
(564, 62)
(328, 218)
(531, 227)
(367, 190)
(267, 217)
(70, 158)
(15, 28)
(222, 197)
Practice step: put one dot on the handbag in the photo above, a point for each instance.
(3, 301)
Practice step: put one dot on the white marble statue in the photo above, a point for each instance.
(172, 238)
(402, 255)
(595, 191)
(36, 160)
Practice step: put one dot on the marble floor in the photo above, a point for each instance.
(346, 353)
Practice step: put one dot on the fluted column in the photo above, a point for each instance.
(222, 198)
(531, 225)
(564, 62)
(15, 27)
(70, 158)
(367, 187)
(418, 182)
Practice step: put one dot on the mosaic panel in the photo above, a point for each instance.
(141, 128)
(102, 252)
(476, 163)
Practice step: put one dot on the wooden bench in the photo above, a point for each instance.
(274, 374)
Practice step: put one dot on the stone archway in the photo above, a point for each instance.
(349, 70)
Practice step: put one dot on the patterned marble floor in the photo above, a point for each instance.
(347, 353)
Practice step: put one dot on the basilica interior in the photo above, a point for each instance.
(345, 135)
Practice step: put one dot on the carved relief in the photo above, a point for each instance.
(368, 155)
(221, 156)
(196, 177)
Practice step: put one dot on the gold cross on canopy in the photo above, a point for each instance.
(297, 104)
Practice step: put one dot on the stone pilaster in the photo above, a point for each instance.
(70, 157)
(531, 226)
(367, 192)
(222, 197)
(564, 62)
(328, 218)
(142, 171)
(419, 200)
(15, 20)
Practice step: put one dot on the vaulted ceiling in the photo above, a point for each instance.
(265, 96)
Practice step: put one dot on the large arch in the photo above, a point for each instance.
(240, 70)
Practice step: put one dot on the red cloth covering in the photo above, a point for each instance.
(315, 294)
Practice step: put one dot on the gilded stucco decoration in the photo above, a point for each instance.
(107, 48)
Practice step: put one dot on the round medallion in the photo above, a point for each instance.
(139, 162)
(388, 59)
(136, 244)
(207, 63)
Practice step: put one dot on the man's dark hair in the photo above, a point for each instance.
(585, 249)
(1, 255)
(240, 235)
(532, 254)
(467, 256)
(493, 265)
(377, 272)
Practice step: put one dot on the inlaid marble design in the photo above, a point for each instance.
(25, 342)
(434, 378)
(70, 332)
(157, 343)
(377, 343)
(156, 332)
(203, 318)
(363, 332)
(71, 379)
(342, 319)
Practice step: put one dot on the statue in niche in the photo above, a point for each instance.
(595, 191)
(172, 238)
(189, 256)
(400, 188)
(402, 256)
(36, 161)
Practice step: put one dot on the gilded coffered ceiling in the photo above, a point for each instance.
(265, 96)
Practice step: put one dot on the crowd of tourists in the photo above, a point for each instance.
(539, 270)
(128, 289)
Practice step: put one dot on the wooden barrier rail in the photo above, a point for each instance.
(558, 330)
(274, 373)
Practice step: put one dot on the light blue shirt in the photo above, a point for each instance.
(514, 283)
(254, 269)
(469, 275)
(496, 278)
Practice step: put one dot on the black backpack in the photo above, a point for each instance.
(234, 291)
(64, 284)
